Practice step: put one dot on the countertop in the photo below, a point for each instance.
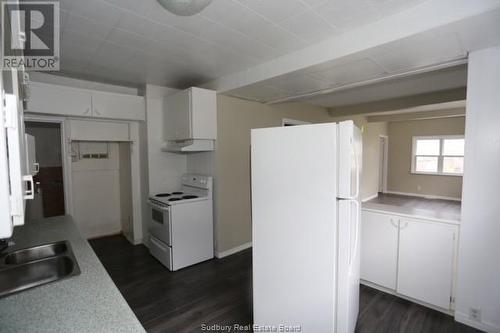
(89, 302)
(428, 209)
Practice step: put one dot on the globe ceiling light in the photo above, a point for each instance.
(184, 7)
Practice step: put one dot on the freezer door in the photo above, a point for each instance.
(350, 156)
(348, 268)
(294, 226)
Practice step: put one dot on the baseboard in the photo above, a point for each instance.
(426, 196)
(371, 197)
(487, 327)
(233, 250)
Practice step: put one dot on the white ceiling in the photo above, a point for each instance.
(137, 41)
(374, 70)
(439, 80)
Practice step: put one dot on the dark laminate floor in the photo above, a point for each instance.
(220, 292)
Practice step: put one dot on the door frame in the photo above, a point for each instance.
(65, 155)
(385, 165)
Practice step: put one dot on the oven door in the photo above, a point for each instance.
(160, 226)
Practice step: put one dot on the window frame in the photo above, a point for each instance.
(440, 157)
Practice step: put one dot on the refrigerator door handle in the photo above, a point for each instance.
(356, 166)
(358, 176)
(356, 235)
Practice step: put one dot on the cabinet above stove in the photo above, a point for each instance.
(190, 120)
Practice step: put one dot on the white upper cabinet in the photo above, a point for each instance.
(191, 115)
(52, 99)
(379, 249)
(426, 259)
(178, 116)
(68, 101)
(118, 106)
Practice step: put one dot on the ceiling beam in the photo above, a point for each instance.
(435, 114)
(376, 107)
(437, 14)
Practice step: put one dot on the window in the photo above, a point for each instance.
(438, 155)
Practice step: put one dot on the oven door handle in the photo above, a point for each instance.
(156, 206)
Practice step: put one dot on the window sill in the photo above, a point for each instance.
(436, 174)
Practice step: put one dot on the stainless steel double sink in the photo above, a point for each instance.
(35, 266)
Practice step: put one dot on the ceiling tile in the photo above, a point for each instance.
(309, 26)
(297, 83)
(356, 71)
(239, 43)
(87, 27)
(72, 38)
(346, 15)
(97, 10)
(420, 51)
(259, 92)
(123, 37)
(137, 24)
(276, 10)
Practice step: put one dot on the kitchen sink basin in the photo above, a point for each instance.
(35, 253)
(36, 266)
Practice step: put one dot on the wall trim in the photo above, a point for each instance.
(371, 197)
(480, 325)
(234, 250)
(427, 196)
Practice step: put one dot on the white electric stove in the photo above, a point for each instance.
(181, 228)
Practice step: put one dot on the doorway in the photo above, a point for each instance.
(49, 198)
(383, 163)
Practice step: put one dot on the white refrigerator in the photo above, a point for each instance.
(306, 227)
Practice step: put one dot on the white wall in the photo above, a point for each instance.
(165, 169)
(478, 266)
(96, 194)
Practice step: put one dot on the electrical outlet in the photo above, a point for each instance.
(475, 314)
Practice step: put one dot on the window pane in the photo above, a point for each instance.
(453, 165)
(453, 147)
(427, 147)
(426, 164)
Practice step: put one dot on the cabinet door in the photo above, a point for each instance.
(379, 249)
(52, 99)
(426, 252)
(204, 113)
(93, 130)
(177, 115)
(118, 106)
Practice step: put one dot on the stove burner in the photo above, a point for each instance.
(177, 192)
(174, 199)
(189, 197)
(163, 195)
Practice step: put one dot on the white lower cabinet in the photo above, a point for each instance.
(426, 253)
(379, 249)
(412, 257)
